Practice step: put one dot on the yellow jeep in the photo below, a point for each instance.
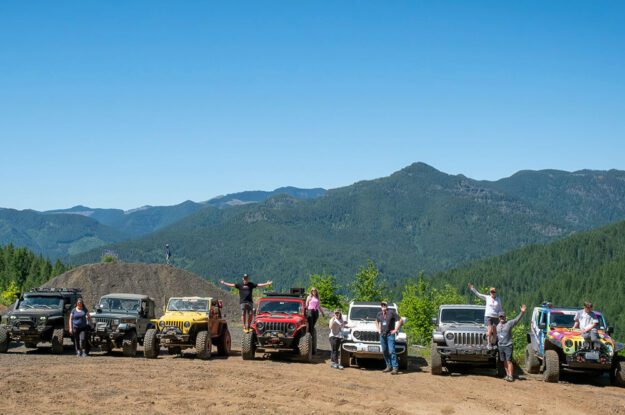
(189, 322)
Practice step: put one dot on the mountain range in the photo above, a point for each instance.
(417, 219)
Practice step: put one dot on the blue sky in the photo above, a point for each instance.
(123, 104)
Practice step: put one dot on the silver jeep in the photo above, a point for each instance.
(460, 338)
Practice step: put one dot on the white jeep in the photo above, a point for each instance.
(361, 339)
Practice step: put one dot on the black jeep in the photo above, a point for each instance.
(40, 315)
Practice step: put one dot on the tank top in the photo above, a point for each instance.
(313, 303)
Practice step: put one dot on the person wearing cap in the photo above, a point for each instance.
(79, 321)
(587, 321)
(336, 324)
(504, 337)
(491, 313)
(388, 324)
(246, 298)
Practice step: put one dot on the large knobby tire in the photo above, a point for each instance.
(150, 344)
(345, 358)
(225, 343)
(305, 347)
(617, 375)
(402, 359)
(5, 338)
(248, 346)
(129, 344)
(57, 341)
(436, 361)
(203, 345)
(532, 364)
(552, 366)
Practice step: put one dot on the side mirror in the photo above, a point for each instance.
(434, 320)
(541, 326)
(553, 325)
(610, 330)
(67, 307)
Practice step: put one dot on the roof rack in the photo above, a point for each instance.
(55, 290)
(293, 292)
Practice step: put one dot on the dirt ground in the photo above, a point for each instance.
(34, 381)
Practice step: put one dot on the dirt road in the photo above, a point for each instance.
(34, 381)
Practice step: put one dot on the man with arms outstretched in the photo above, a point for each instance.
(245, 297)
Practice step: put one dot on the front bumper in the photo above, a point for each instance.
(369, 350)
(467, 354)
(30, 332)
(277, 341)
(579, 361)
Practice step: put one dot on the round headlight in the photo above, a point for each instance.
(12, 317)
(291, 326)
(161, 323)
(449, 336)
(260, 326)
(187, 324)
(43, 318)
(568, 343)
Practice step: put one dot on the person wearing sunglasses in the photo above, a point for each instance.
(491, 313)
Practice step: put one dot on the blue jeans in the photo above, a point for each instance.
(388, 350)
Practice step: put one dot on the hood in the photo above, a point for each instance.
(125, 316)
(560, 335)
(184, 316)
(279, 317)
(25, 314)
(362, 325)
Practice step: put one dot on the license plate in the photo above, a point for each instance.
(374, 349)
(592, 356)
(25, 327)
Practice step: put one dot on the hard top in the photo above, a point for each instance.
(282, 296)
(463, 306)
(370, 304)
(190, 298)
(125, 296)
(555, 309)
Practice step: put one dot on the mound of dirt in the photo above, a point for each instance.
(158, 281)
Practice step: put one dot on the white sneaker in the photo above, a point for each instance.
(340, 367)
(489, 346)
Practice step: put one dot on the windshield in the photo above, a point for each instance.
(119, 305)
(567, 320)
(364, 313)
(181, 304)
(462, 315)
(290, 307)
(43, 301)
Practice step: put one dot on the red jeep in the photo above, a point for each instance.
(279, 325)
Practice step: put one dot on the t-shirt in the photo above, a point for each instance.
(504, 331)
(79, 318)
(245, 292)
(387, 323)
(586, 319)
(493, 305)
(335, 326)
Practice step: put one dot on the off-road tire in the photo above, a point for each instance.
(30, 345)
(150, 344)
(305, 347)
(551, 362)
(532, 364)
(57, 341)
(499, 367)
(203, 345)
(5, 338)
(436, 361)
(402, 359)
(129, 344)
(174, 350)
(617, 374)
(248, 346)
(345, 358)
(225, 343)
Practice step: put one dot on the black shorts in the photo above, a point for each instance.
(247, 306)
(491, 321)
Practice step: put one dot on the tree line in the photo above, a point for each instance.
(21, 270)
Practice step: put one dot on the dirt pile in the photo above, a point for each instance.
(158, 281)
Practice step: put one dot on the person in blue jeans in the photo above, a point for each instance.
(388, 324)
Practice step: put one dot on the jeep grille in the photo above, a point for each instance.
(177, 324)
(107, 320)
(367, 336)
(469, 339)
(274, 326)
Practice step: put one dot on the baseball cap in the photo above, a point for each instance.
(383, 303)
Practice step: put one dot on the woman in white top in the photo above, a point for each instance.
(491, 313)
(313, 308)
(336, 324)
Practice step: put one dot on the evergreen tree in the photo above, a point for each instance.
(367, 286)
